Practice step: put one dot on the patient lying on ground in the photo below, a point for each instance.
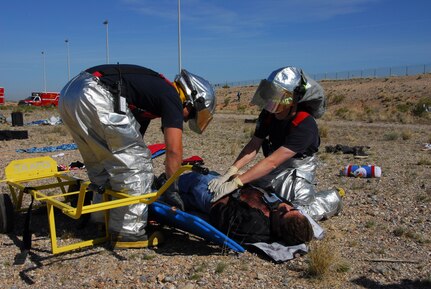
(248, 215)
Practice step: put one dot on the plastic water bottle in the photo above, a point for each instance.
(362, 171)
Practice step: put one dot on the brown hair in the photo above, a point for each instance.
(295, 228)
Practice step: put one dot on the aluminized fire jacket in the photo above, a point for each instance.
(111, 146)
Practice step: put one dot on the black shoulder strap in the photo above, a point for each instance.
(108, 70)
(26, 236)
(273, 202)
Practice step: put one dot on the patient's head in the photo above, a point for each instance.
(295, 227)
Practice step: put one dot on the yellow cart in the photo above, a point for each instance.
(24, 177)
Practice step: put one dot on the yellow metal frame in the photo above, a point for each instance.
(20, 174)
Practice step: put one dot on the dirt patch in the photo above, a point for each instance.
(394, 99)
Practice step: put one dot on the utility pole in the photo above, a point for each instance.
(44, 71)
(107, 41)
(68, 59)
(179, 36)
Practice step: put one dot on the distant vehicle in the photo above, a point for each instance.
(41, 99)
(1, 95)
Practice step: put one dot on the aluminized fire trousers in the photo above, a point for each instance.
(294, 181)
(111, 146)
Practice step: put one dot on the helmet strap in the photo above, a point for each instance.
(180, 92)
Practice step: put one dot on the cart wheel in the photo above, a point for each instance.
(6, 214)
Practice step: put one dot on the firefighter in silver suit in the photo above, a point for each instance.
(287, 132)
(107, 109)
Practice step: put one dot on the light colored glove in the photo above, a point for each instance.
(215, 183)
(226, 188)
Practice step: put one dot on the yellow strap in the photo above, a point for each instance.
(180, 92)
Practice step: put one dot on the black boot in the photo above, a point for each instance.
(171, 196)
(359, 153)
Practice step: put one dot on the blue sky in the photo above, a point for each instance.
(222, 40)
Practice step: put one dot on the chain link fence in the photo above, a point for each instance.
(351, 74)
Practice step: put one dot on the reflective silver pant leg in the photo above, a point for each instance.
(326, 204)
(295, 183)
(111, 146)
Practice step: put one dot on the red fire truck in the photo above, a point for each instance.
(1, 95)
(41, 99)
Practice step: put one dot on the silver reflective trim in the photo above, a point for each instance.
(111, 146)
(272, 97)
(287, 77)
(200, 93)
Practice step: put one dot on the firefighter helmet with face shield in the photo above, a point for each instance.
(200, 96)
(281, 90)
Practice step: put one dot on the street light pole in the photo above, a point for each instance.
(68, 59)
(107, 42)
(179, 36)
(44, 71)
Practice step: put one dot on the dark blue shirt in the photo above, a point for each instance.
(148, 93)
(300, 134)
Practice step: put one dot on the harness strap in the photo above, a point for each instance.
(299, 117)
(273, 202)
(109, 70)
(26, 236)
(21, 257)
(104, 70)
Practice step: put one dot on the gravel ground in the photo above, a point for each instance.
(382, 238)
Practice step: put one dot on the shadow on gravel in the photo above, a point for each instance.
(67, 228)
(176, 242)
(37, 264)
(179, 243)
(405, 284)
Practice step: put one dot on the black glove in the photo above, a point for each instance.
(171, 196)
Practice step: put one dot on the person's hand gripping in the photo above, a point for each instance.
(215, 183)
(226, 188)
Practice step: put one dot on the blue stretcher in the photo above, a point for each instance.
(191, 224)
(187, 222)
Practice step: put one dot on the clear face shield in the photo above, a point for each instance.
(272, 97)
(200, 95)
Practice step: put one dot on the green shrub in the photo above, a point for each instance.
(399, 231)
(370, 224)
(226, 101)
(220, 267)
(335, 99)
(320, 258)
(342, 267)
(342, 112)
(406, 134)
(241, 107)
(421, 107)
(424, 162)
(390, 136)
(323, 131)
(25, 108)
(403, 107)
